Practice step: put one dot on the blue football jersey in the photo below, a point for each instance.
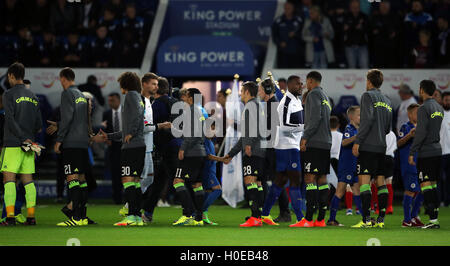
(347, 162)
(405, 167)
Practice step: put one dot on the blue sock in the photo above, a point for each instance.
(272, 196)
(407, 200)
(334, 207)
(296, 201)
(210, 198)
(418, 200)
(357, 200)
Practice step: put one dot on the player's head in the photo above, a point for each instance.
(249, 91)
(334, 123)
(66, 77)
(163, 86)
(353, 114)
(16, 73)
(446, 100)
(437, 95)
(114, 100)
(190, 95)
(405, 92)
(149, 83)
(129, 81)
(282, 84)
(27, 83)
(266, 88)
(295, 85)
(416, 6)
(222, 96)
(374, 79)
(412, 113)
(426, 89)
(313, 79)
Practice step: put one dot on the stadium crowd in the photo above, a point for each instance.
(360, 34)
(52, 33)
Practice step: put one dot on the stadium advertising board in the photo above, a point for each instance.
(204, 56)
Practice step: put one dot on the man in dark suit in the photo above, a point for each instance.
(112, 121)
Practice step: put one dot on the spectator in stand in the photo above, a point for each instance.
(129, 50)
(286, 34)
(102, 48)
(317, 34)
(421, 55)
(416, 21)
(118, 6)
(73, 51)
(133, 23)
(90, 13)
(336, 14)
(303, 8)
(407, 98)
(110, 21)
(443, 43)
(385, 29)
(10, 14)
(25, 47)
(64, 16)
(92, 87)
(38, 14)
(355, 37)
(46, 48)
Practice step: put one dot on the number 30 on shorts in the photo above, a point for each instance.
(126, 171)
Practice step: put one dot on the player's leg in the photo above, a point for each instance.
(273, 194)
(199, 198)
(323, 190)
(252, 193)
(429, 169)
(407, 202)
(182, 172)
(390, 208)
(295, 193)
(212, 190)
(356, 194)
(311, 196)
(9, 181)
(374, 200)
(30, 197)
(146, 182)
(349, 200)
(335, 201)
(383, 195)
(365, 167)
(417, 204)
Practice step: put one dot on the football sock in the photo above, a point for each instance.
(296, 201)
(283, 201)
(30, 197)
(418, 200)
(130, 196)
(311, 200)
(260, 198)
(374, 199)
(357, 200)
(366, 198)
(436, 201)
(75, 197)
(84, 199)
(185, 198)
(429, 201)
(199, 196)
(348, 199)
(272, 196)
(334, 207)
(383, 195)
(210, 198)
(407, 200)
(252, 192)
(391, 195)
(20, 199)
(10, 198)
(323, 201)
(137, 210)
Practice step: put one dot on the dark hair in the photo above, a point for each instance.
(292, 77)
(114, 94)
(27, 82)
(314, 75)
(281, 80)
(67, 73)
(148, 76)
(268, 86)
(375, 76)
(191, 92)
(412, 106)
(91, 79)
(428, 86)
(251, 87)
(17, 70)
(334, 122)
(163, 86)
(130, 81)
(445, 94)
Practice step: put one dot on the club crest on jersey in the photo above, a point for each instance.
(294, 165)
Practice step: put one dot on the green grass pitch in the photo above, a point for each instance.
(161, 232)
